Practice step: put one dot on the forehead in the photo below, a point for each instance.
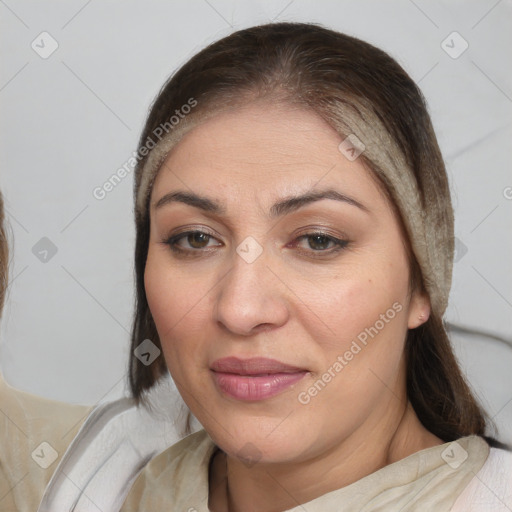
(264, 149)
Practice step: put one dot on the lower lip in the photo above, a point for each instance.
(253, 388)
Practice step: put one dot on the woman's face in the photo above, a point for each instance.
(282, 313)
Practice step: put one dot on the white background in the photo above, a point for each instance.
(69, 121)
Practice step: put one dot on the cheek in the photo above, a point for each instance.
(180, 315)
(160, 293)
(361, 354)
(364, 322)
(179, 306)
(357, 299)
(170, 295)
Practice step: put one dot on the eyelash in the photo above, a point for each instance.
(339, 244)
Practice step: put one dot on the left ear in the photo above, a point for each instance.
(419, 309)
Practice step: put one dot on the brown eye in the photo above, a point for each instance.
(198, 240)
(319, 244)
(191, 242)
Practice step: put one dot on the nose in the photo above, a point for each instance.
(251, 298)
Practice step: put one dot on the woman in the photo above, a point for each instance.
(293, 260)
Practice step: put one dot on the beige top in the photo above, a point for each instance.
(431, 479)
(35, 432)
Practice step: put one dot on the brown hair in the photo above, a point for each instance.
(323, 70)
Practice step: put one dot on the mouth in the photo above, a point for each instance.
(254, 379)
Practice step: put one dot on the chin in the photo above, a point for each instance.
(260, 439)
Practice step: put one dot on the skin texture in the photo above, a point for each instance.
(295, 303)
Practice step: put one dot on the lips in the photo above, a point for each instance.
(253, 366)
(254, 379)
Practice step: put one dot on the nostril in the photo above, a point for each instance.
(265, 327)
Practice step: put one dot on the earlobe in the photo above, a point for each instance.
(419, 311)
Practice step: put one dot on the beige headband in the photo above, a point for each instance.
(430, 229)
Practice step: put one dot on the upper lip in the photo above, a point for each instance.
(253, 366)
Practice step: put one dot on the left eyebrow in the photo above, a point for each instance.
(294, 203)
(280, 208)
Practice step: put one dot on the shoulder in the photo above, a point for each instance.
(34, 434)
(131, 454)
(176, 479)
(490, 490)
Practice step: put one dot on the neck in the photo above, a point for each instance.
(234, 487)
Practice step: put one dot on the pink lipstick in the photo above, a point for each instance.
(254, 379)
